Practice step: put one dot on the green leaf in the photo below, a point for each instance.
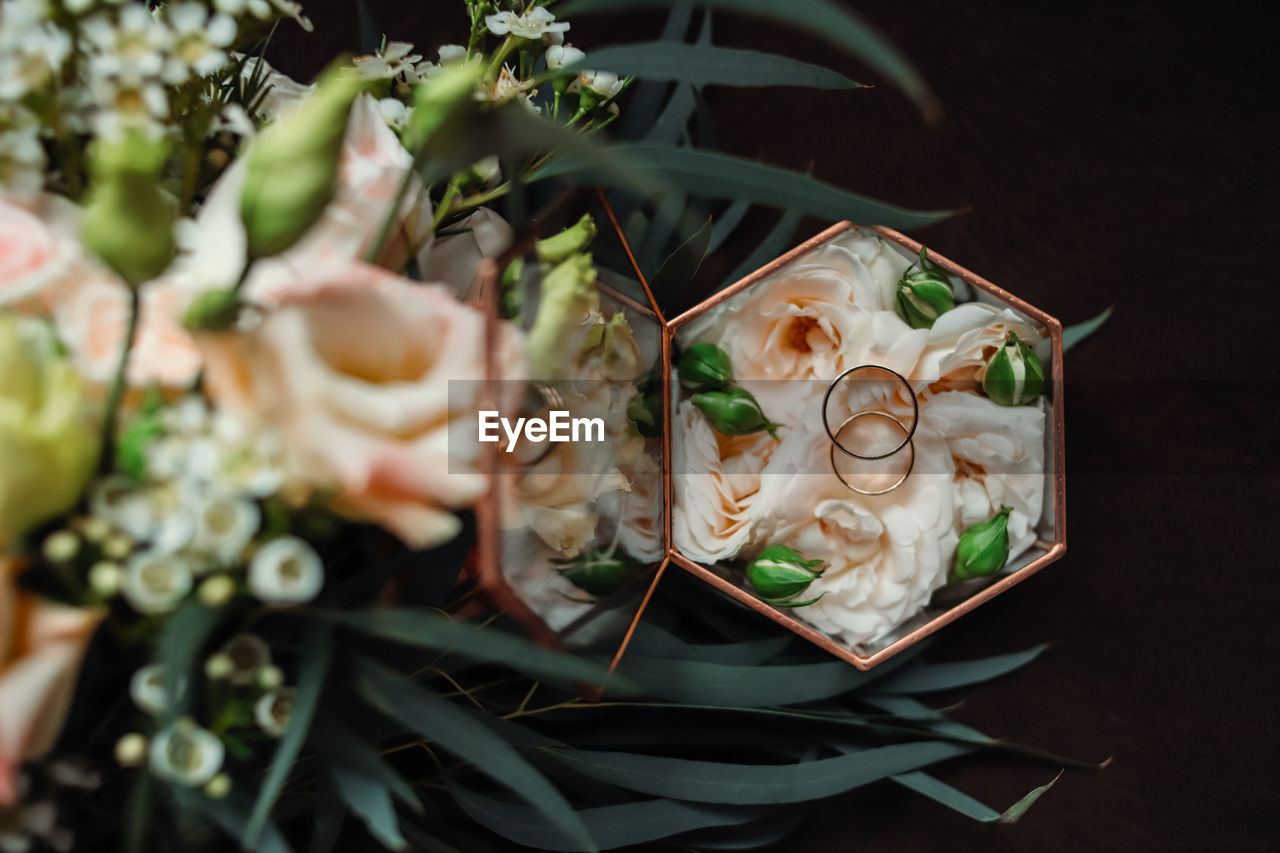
(318, 648)
(645, 100)
(941, 792)
(754, 784)
(773, 245)
(1073, 335)
(229, 814)
(821, 18)
(181, 638)
(462, 735)
(728, 222)
(330, 811)
(678, 271)
(346, 748)
(712, 175)
(704, 65)
(473, 643)
(1020, 808)
(653, 641)
(612, 826)
(371, 802)
(672, 121)
(930, 677)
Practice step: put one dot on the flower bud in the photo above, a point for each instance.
(779, 573)
(292, 166)
(131, 750)
(983, 549)
(104, 578)
(218, 666)
(1014, 375)
(705, 367)
(599, 572)
(213, 311)
(61, 547)
(645, 411)
(217, 591)
(734, 412)
(924, 294)
(439, 102)
(569, 298)
(270, 677)
(218, 787)
(569, 242)
(128, 218)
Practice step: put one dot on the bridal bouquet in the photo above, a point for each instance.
(242, 323)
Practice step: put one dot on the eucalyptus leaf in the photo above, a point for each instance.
(458, 732)
(474, 643)
(611, 826)
(678, 271)
(670, 127)
(822, 18)
(230, 815)
(952, 798)
(747, 837)
(371, 802)
(1073, 335)
(727, 223)
(713, 175)
(330, 812)
(774, 244)
(318, 649)
(930, 677)
(349, 751)
(704, 65)
(653, 641)
(758, 784)
(184, 633)
(646, 99)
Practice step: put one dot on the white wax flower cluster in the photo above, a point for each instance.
(787, 337)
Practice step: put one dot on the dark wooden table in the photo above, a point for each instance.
(1111, 154)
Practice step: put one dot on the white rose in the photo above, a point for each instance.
(717, 486)
(963, 340)
(454, 260)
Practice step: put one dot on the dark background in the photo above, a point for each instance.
(1109, 154)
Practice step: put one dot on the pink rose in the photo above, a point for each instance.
(355, 370)
(41, 646)
(34, 250)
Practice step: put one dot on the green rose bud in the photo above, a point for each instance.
(645, 411)
(705, 367)
(560, 329)
(292, 167)
(213, 311)
(1014, 375)
(779, 573)
(924, 294)
(569, 242)
(599, 572)
(983, 549)
(128, 217)
(734, 412)
(440, 103)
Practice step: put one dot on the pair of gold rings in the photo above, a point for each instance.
(908, 434)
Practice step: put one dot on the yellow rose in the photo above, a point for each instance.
(41, 645)
(48, 444)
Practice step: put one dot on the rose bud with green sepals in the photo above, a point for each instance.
(128, 218)
(1014, 375)
(705, 367)
(569, 242)
(560, 330)
(734, 412)
(924, 294)
(779, 573)
(983, 549)
(599, 571)
(292, 167)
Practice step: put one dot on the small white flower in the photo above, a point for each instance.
(128, 42)
(247, 654)
(506, 87)
(148, 690)
(30, 59)
(128, 102)
(224, 526)
(234, 8)
(267, 10)
(531, 24)
(131, 750)
(559, 56)
(186, 754)
(155, 582)
(22, 161)
(451, 53)
(394, 112)
(273, 711)
(604, 83)
(286, 571)
(393, 60)
(199, 41)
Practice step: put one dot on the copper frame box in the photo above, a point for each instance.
(1049, 546)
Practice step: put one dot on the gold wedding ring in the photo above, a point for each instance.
(909, 444)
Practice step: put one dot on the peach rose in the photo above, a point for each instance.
(373, 165)
(41, 646)
(355, 371)
(34, 249)
(92, 313)
(963, 340)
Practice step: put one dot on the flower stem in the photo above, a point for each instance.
(114, 399)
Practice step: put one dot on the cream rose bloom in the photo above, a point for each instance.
(41, 646)
(885, 553)
(355, 371)
(373, 164)
(963, 340)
